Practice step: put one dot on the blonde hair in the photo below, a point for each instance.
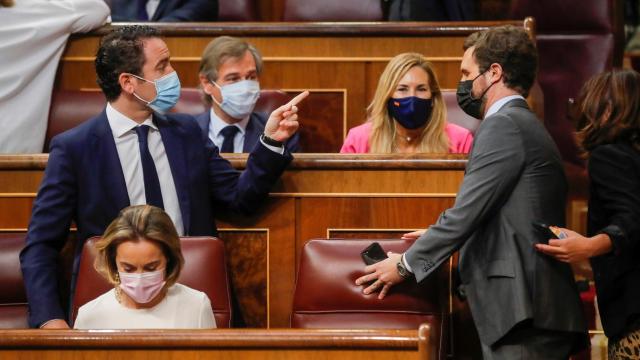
(220, 50)
(137, 223)
(383, 134)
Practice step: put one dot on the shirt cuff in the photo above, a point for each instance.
(275, 149)
(406, 264)
(48, 321)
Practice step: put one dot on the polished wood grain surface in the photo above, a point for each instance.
(217, 344)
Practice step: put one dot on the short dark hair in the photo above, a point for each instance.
(471, 40)
(512, 48)
(121, 51)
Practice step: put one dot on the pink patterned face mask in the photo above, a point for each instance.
(142, 287)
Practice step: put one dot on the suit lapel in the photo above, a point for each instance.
(250, 136)
(109, 169)
(174, 148)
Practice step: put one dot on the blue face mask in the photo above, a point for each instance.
(410, 112)
(239, 98)
(167, 92)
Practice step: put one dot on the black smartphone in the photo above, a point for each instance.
(546, 231)
(373, 254)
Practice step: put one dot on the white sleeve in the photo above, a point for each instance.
(207, 320)
(80, 322)
(90, 14)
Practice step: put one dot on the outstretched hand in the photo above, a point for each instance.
(384, 275)
(283, 121)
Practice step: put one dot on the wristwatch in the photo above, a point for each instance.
(269, 141)
(403, 271)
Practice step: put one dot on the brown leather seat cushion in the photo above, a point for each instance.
(204, 270)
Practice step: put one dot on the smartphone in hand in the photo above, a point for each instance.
(373, 254)
(547, 231)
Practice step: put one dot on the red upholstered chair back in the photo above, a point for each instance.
(238, 10)
(576, 39)
(326, 295)
(13, 299)
(204, 270)
(455, 115)
(70, 108)
(190, 102)
(333, 10)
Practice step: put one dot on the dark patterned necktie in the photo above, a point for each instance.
(151, 182)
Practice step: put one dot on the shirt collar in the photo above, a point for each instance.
(121, 124)
(500, 103)
(216, 124)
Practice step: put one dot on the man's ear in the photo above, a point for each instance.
(126, 83)
(206, 85)
(496, 72)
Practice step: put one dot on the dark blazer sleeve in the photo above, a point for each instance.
(51, 217)
(615, 180)
(494, 167)
(243, 191)
(189, 10)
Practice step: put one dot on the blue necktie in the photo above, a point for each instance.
(151, 182)
(229, 133)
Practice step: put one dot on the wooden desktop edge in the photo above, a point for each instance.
(292, 29)
(30, 162)
(217, 338)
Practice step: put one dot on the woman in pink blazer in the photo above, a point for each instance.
(407, 114)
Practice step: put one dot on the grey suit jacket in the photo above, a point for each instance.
(514, 176)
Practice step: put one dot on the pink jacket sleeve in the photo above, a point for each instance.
(357, 141)
(460, 139)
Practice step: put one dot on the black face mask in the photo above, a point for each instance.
(411, 112)
(470, 105)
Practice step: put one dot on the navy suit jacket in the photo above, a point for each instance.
(168, 10)
(83, 182)
(255, 128)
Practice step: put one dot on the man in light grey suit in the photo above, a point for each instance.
(524, 305)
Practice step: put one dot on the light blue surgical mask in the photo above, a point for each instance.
(167, 92)
(239, 98)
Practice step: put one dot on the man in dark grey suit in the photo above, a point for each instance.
(524, 305)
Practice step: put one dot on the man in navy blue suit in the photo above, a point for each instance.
(163, 10)
(229, 76)
(134, 153)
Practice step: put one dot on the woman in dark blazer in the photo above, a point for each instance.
(609, 107)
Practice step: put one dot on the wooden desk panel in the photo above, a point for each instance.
(282, 344)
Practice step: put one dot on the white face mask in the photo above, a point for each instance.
(239, 98)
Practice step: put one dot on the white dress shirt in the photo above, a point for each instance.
(33, 35)
(216, 125)
(124, 134)
(151, 7)
(181, 308)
